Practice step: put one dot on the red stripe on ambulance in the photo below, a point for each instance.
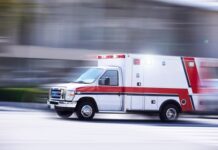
(192, 73)
(182, 93)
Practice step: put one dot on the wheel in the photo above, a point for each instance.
(85, 110)
(169, 113)
(64, 113)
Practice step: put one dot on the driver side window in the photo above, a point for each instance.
(109, 78)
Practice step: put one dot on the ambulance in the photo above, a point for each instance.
(135, 83)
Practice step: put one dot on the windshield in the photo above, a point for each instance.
(89, 76)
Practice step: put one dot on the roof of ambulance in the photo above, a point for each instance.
(151, 55)
(130, 55)
(166, 56)
(138, 55)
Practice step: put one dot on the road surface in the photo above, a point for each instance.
(26, 129)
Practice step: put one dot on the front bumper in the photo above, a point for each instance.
(62, 103)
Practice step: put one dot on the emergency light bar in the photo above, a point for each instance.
(111, 56)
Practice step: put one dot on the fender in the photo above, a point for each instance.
(170, 101)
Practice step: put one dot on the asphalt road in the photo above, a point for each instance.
(26, 129)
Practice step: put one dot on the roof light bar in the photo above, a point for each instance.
(111, 56)
(99, 57)
(120, 56)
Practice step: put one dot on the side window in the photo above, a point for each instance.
(110, 78)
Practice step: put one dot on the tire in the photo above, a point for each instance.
(64, 113)
(85, 110)
(169, 113)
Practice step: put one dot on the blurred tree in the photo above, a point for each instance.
(11, 12)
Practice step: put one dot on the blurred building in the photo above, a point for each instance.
(64, 32)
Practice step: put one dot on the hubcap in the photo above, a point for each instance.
(86, 111)
(171, 114)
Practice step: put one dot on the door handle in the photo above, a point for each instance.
(138, 83)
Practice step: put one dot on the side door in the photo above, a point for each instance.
(137, 100)
(111, 98)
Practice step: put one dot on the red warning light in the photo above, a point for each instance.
(136, 61)
(120, 56)
(109, 56)
(99, 57)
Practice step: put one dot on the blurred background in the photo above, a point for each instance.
(45, 41)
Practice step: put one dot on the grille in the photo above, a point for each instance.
(56, 93)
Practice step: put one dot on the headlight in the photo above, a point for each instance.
(70, 94)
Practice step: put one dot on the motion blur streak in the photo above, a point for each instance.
(40, 37)
(53, 41)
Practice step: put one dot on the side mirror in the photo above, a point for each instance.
(104, 81)
(107, 81)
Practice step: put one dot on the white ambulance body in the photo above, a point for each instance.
(134, 83)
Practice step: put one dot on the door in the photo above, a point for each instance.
(110, 83)
(137, 100)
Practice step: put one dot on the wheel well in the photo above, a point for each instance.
(171, 101)
(88, 99)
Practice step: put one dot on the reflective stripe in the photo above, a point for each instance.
(182, 93)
